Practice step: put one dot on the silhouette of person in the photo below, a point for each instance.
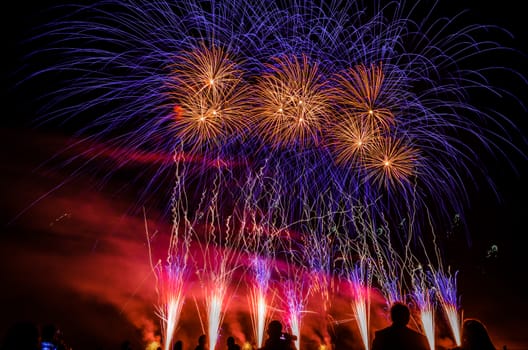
(231, 344)
(202, 342)
(276, 339)
(475, 336)
(398, 336)
(178, 345)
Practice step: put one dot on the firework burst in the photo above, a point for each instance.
(210, 97)
(291, 105)
(351, 140)
(359, 90)
(391, 163)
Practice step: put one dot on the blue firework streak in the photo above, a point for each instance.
(138, 87)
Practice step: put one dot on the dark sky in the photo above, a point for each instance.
(71, 255)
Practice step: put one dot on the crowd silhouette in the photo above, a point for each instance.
(397, 336)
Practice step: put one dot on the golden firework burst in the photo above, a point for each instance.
(291, 102)
(351, 139)
(359, 89)
(211, 97)
(390, 162)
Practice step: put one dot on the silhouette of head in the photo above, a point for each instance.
(475, 335)
(178, 345)
(202, 339)
(230, 341)
(274, 329)
(400, 314)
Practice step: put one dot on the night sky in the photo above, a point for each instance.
(73, 252)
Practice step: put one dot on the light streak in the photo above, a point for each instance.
(358, 275)
(359, 283)
(423, 296)
(258, 298)
(446, 287)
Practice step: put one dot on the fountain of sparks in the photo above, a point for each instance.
(297, 288)
(297, 291)
(446, 292)
(258, 298)
(172, 277)
(359, 281)
(358, 277)
(259, 242)
(423, 297)
(317, 249)
(219, 240)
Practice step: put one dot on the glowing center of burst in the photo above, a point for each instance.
(300, 102)
(387, 163)
(359, 143)
(202, 118)
(211, 81)
(280, 110)
(371, 112)
(301, 119)
(214, 112)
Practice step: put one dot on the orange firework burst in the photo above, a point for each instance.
(210, 94)
(359, 88)
(351, 139)
(291, 103)
(390, 162)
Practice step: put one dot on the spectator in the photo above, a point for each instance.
(398, 336)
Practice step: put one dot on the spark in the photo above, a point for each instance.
(258, 297)
(424, 300)
(291, 103)
(391, 163)
(447, 296)
(358, 281)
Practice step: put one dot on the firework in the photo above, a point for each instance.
(297, 289)
(356, 271)
(359, 90)
(445, 284)
(210, 97)
(258, 299)
(173, 282)
(423, 296)
(223, 76)
(390, 162)
(351, 139)
(354, 108)
(360, 284)
(291, 104)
